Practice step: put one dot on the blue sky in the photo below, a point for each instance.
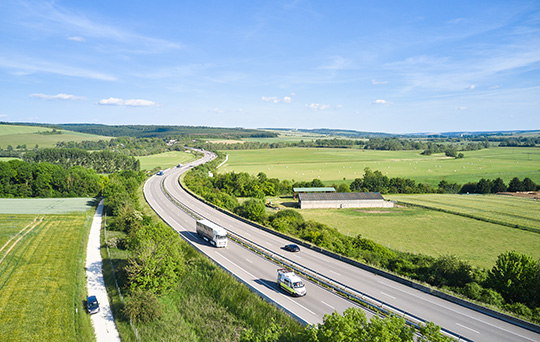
(383, 66)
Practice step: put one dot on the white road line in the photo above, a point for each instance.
(461, 325)
(335, 272)
(251, 275)
(300, 305)
(386, 294)
(251, 262)
(330, 306)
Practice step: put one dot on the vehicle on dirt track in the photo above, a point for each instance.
(92, 305)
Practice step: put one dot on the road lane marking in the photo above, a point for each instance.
(251, 275)
(251, 262)
(335, 272)
(330, 306)
(300, 305)
(461, 325)
(386, 294)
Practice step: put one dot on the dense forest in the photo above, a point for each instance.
(102, 161)
(19, 179)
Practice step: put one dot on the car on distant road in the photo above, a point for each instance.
(159, 173)
(92, 305)
(179, 165)
(292, 248)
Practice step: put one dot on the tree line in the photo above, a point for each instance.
(20, 179)
(101, 161)
(497, 286)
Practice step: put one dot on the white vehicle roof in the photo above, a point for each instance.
(290, 275)
(217, 228)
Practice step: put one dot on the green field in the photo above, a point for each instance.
(339, 165)
(506, 209)
(31, 136)
(44, 205)
(42, 277)
(435, 233)
(165, 160)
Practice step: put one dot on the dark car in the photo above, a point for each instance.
(292, 248)
(92, 305)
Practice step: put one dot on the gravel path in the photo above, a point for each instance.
(103, 321)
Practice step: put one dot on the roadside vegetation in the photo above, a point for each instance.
(42, 276)
(490, 285)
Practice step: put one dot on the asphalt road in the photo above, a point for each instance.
(260, 274)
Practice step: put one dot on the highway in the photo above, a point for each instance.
(260, 274)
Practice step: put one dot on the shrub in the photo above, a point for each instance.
(142, 307)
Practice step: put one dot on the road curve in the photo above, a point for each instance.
(454, 318)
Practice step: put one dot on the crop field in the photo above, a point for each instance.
(165, 160)
(339, 165)
(42, 278)
(418, 230)
(31, 136)
(44, 205)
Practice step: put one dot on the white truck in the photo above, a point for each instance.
(290, 282)
(211, 232)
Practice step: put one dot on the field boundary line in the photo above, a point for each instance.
(447, 211)
(19, 239)
(19, 232)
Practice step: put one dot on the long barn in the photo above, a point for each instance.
(343, 200)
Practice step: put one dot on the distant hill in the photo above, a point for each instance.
(156, 131)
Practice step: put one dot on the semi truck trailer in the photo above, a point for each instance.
(211, 232)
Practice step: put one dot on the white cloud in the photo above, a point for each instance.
(217, 110)
(381, 102)
(112, 101)
(461, 108)
(471, 87)
(318, 106)
(76, 39)
(375, 82)
(272, 99)
(58, 97)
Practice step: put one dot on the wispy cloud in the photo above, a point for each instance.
(76, 39)
(51, 16)
(375, 82)
(57, 97)
(25, 66)
(112, 101)
(337, 63)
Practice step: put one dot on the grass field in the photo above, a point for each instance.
(507, 209)
(42, 277)
(30, 136)
(339, 165)
(44, 205)
(435, 233)
(165, 160)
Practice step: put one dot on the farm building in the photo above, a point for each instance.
(298, 191)
(343, 200)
